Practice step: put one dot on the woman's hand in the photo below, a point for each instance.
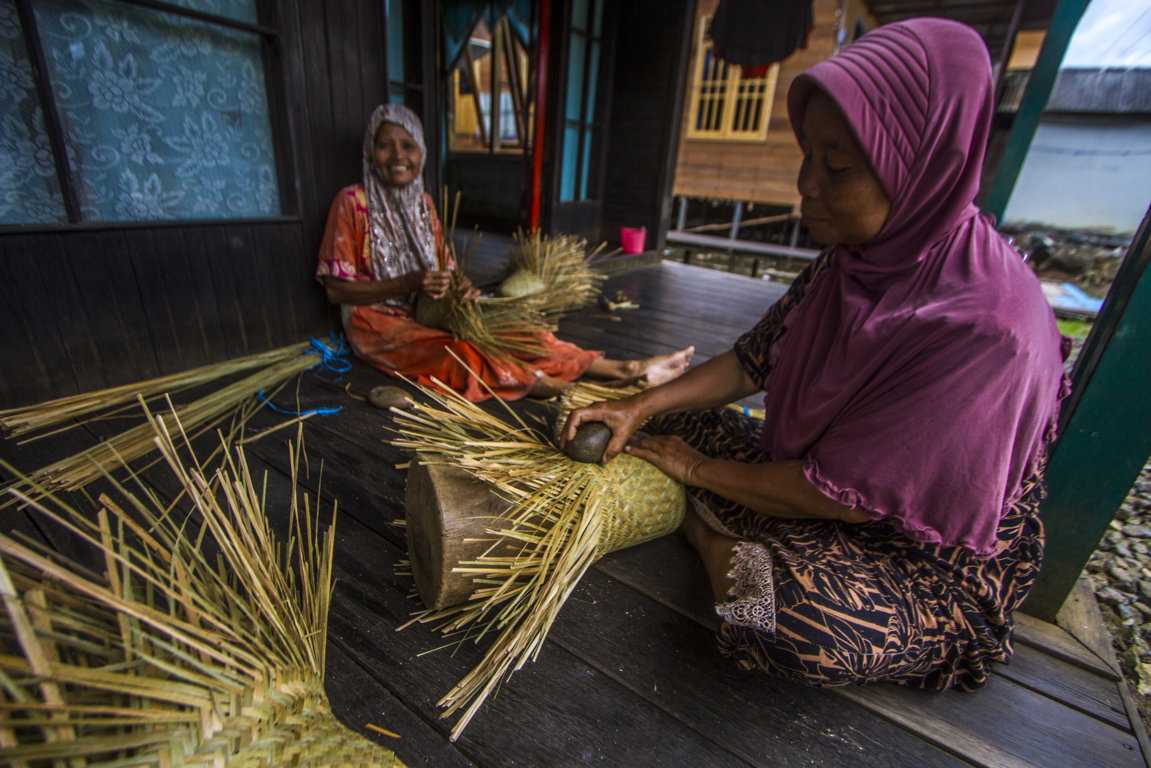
(670, 454)
(435, 284)
(471, 293)
(623, 417)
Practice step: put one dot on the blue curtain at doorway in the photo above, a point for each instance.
(460, 17)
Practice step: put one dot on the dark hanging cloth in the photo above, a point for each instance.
(758, 33)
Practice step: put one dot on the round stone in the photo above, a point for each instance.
(589, 443)
(386, 397)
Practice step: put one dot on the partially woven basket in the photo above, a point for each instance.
(202, 643)
(524, 556)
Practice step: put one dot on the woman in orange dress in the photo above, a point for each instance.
(379, 253)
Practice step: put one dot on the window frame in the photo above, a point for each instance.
(270, 38)
(734, 83)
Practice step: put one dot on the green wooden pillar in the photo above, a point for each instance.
(1039, 86)
(1105, 430)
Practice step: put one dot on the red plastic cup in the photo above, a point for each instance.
(632, 240)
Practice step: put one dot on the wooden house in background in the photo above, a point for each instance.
(736, 143)
(737, 147)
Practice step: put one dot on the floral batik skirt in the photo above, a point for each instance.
(834, 603)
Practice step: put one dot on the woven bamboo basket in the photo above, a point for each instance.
(173, 657)
(515, 556)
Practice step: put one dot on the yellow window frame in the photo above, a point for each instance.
(724, 104)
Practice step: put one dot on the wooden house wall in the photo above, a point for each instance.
(759, 171)
(98, 305)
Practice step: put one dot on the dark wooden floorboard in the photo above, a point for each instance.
(1086, 691)
(359, 699)
(1003, 714)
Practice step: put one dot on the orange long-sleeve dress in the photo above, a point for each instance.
(387, 336)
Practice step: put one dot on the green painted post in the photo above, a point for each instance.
(1105, 430)
(1039, 86)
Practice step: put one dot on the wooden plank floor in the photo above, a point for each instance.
(630, 675)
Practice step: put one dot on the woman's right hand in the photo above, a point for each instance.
(435, 284)
(624, 418)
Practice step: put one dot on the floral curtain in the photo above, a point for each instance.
(164, 117)
(29, 193)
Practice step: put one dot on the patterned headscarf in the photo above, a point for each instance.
(402, 234)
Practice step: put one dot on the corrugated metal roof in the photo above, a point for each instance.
(990, 18)
(1088, 91)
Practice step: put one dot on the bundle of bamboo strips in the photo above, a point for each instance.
(560, 279)
(563, 515)
(561, 268)
(33, 422)
(236, 402)
(172, 657)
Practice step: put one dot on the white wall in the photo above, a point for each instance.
(1086, 172)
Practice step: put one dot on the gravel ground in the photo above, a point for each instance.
(1120, 574)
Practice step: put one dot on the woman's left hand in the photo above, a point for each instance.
(471, 293)
(671, 454)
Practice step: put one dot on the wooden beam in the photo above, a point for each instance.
(1034, 101)
(470, 66)
(741, 246)
(517, 89)
(1105, 427)
(494, 100)
(53, 126)
(999, 68)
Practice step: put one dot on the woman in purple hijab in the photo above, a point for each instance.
(883, 522)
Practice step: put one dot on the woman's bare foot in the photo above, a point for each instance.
(714, 550)
(652, 371)
(663, 368)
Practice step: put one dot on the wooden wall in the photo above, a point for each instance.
(760, 171)
(84, 310)
(341, 62)
(97, 305)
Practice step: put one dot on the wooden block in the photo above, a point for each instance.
(448, 515)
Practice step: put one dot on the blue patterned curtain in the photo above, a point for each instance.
(29, 193)
(164, 117)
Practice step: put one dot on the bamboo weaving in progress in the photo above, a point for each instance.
(201, 643)
(561, 516)
(551, 275)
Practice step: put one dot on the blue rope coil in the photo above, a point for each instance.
(334, 358)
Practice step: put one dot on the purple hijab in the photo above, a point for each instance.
(920, 376)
